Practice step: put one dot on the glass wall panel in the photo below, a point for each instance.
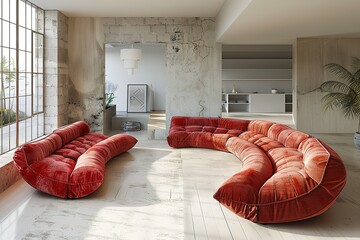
(22, 86)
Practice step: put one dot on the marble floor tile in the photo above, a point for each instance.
(156, 192)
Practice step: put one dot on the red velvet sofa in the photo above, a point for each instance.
(70, 162)
(287, 175)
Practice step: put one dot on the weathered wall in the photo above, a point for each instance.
(56, 70)
(86, 71)
(193, 85)
(311, 55)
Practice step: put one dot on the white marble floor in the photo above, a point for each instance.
(156, 192)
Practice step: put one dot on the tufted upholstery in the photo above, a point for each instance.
(70, 162)
(287, 175)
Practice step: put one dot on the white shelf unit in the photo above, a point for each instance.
(235, 102)
(256, 69)
(288, 102)
(256, 74)
(257, 102)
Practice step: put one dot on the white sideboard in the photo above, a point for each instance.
(267, 103)
(257, 102)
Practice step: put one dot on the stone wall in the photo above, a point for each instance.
(193, 84)
(193, 59)
(86, 71)
(56, 70)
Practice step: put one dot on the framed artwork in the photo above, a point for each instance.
(136, 97)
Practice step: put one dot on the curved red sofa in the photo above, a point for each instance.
(287, 175)
(70, 162)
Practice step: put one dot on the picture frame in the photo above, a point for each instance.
(136, 98)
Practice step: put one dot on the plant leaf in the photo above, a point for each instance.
(339, 71)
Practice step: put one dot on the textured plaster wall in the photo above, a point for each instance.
(193, 85)
(56, 70)
(86, 71)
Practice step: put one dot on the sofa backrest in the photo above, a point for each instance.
(233, 124)
(315, 156)
(260, 126)
(36, 151)
(72, 131)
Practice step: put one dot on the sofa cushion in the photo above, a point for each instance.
(89, 172)
(37, 150)
(240, 192)
(260, 126)
(50, 175)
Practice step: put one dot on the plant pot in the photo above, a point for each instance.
(108, 114)
(357, 140)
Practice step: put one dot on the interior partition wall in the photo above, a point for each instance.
(22, 73)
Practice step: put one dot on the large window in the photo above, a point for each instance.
(21, 73)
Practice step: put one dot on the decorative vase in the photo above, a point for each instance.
(233, 90)
(357, 140)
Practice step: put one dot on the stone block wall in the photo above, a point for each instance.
(56, 70)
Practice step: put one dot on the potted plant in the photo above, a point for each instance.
(344, 93)
(110, 108)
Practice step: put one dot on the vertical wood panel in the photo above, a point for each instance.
(311, 55)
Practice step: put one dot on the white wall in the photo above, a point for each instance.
(151, 71)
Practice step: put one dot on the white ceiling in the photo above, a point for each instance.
(260, 22)
(133, 8)
(282, 21)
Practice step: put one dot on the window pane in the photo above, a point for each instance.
(28, 84)
(22, 132)
(38, 93)
(12, 57)
(28, 40)
(28, 15)
(5, 138)
(22, 84)
(6, 36)
(34, 126)
(12, 113)
(28, 129)
(28, 62)
(5, 9)
(24, 107)
(38, 53)
(13, 11)
(2, 34)
(22, 38)
(41, 125)
(12, 39)
(22, 13)
(22, 61)
(40, 20)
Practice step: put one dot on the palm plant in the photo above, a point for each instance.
(344, 93)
